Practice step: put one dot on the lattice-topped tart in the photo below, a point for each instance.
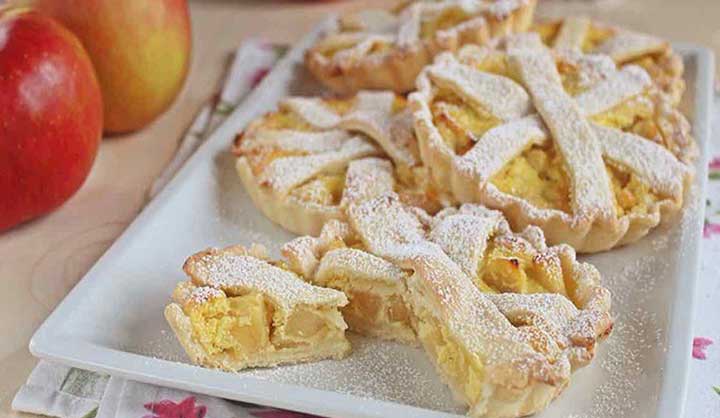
(238, 311)
(593, 154)
(504, 317)
(303, 164)
(624, 46)
(379, 49)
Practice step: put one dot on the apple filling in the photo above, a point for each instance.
(538, 176)
(373, 308)
(464, 370)
(239, 325)
(460, 124)
(507, 268)
(243, 326)
(325, 190)
(308, 325)
(415, 189)
(664, 68)
(448, 18)
(374, 288)
(367, 311)
(632, 196)
(628, 116)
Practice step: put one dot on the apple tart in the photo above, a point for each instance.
(593, 154)
(624, 46)
(379, 49)
(303, 164)
(504, 317)
(239, 311)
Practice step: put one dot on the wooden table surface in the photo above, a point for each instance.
(42, 260)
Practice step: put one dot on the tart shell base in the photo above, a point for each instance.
(398, 69)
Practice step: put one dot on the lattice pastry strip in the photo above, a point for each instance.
(591, 194)
(578, 34)
(582, 126)
(386, 50)
(284, 174)
(506, 141)
(499, 95)
(366, 179)
(305, 163)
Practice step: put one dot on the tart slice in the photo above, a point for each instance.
(379, 49)
(504, 318)
(303, 164)
(593, 154)
(239, 311)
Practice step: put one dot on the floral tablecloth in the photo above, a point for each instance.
(66, 392)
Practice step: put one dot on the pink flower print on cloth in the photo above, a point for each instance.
(699, 346)
(169, 409)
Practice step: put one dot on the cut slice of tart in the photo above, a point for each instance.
(593, 154)
(239, 311)
(379, 49)
(505, 318)
(303, 164)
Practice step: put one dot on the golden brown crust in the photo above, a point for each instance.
(288, 213)
(397, 69)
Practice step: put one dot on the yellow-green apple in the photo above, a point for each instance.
(140, 49)
(50, 115)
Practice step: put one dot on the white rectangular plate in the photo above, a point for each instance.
(112, 320)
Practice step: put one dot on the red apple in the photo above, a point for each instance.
(50, 115)
(140, 49)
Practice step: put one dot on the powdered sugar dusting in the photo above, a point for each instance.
(505, 330)
(584, 145)
(375, 369)
(629, 81)
(237, 274)
(499, 95)
(292, 164)
(371, 29)
(284, 174)
(626, 45)
(366, 179)
(203, 294)
(636, 337)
